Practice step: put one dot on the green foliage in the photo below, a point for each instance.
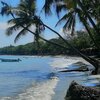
(81, 41)
(87, 11)
(25, 16)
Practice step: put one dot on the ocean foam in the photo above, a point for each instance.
(40, 91)
(62, 62)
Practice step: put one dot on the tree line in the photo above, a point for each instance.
(81, 41)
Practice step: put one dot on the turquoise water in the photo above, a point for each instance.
(14, 76)
(36, 78)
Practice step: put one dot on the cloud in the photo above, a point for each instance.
(3, 26)
(61, 32)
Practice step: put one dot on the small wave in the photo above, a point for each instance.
(38, 91)
(63, 62)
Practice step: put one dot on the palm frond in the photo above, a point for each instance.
(59, 6)
(70, 23)
(73, 26)
(38, 22)
(65, 27)
(11, 29)
(21, 33)
(12, 21)
(64, 18)
(17, 21)
(17, 11)
(30, 4)
(70, 4)
(47, 7)
(6, 9)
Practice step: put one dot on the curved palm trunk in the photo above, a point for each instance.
(95, 63)
(88, 30)
(92, 61)
(90, 19)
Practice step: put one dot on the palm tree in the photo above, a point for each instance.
(24, 20)
(23, 16)
(26, 17)
(75, 10)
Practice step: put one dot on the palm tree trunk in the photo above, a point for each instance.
(88, 30)
(88, 59)
(90, 19)
(92, 61)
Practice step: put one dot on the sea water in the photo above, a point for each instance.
(37, 78)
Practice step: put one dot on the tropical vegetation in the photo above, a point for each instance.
(24, 17)
(81, 41)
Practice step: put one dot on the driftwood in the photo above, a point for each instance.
(82, 68)
(78, 92)
(74, 70)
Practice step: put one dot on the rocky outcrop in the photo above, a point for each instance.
(78, 92)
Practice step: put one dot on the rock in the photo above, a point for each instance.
(78, 92)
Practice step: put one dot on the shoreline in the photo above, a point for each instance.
(93, 78)
(64, 62)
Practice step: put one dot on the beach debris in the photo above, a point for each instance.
(79, 67)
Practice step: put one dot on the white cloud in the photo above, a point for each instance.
(61, 32)
(67, 34)
(3, 26)
(6, 41)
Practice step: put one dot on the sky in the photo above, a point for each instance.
(50, 21)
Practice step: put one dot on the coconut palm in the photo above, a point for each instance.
(75, 9)
(23, 16)
(26, 17)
